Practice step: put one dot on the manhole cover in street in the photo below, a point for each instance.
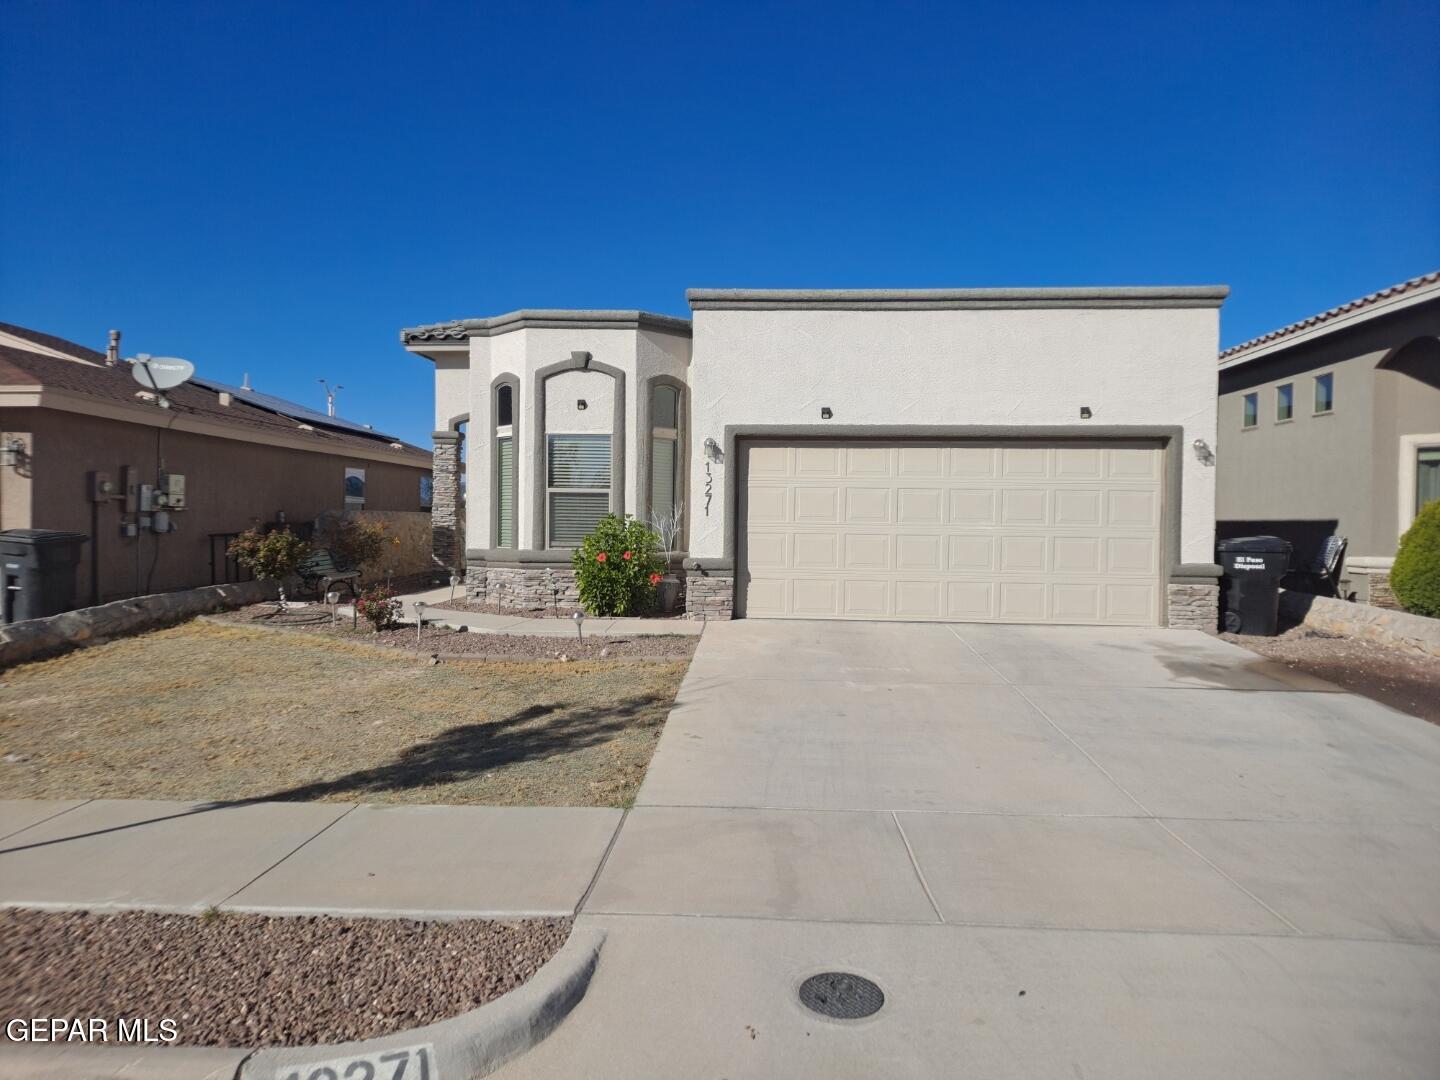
(841, 995)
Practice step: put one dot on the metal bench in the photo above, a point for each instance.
(321, 572)
(1321, 574)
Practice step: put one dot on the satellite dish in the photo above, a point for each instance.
(160, 372)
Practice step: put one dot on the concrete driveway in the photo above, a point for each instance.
(1061, 852)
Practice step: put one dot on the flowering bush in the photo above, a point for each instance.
(379, 606)
(617, 567)
(273, 556)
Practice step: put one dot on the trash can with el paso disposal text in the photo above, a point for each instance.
(1250, 591)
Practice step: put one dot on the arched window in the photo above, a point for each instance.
(505, 515)
(666, 503)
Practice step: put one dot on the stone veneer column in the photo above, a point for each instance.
(447, 517)
(709, 588)
(1192, 597)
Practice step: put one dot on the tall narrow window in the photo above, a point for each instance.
(1284, 402)
(504, 467)
(578, 486)
(1325, 392)
(1427, 477)
(1252, 410)
(665, 501)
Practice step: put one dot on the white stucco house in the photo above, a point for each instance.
(1002, 455)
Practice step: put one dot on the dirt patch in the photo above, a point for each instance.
(461, 643)
(255, 980)
(209, 712)
(1401, 678)
(461, 603)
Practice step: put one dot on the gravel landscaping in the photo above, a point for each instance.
(464, 603)
(256, 980)
(1401, 678)
(462, 643)
(228, 712)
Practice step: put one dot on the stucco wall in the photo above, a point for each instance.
(229, 486)
(1030, 367)
(522, 353)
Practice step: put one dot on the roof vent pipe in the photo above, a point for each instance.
(245, 382)
(112, 351)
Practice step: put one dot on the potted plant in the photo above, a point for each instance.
(667, 528)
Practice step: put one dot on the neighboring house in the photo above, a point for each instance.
(1003, 455)
(73, 419)
(1332, 426)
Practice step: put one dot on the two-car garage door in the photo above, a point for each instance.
(1000, 531)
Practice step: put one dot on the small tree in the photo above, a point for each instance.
(273, 556)
(667, 528)
(617, 567)
(1415, 576)
(358, 545)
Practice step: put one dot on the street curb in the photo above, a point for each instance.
(464, 1047)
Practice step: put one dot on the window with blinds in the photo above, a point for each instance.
(1427, 476)
(665, 460)
(505, 464)
(577, 486)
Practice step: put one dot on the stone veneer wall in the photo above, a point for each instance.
(551, 590)
(447, 517)
(709, 594)
(1195, 607)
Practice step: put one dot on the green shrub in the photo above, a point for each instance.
(617, 567)
(1415, 577)
(380, 607)
(273, 556)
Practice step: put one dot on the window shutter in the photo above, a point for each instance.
(574, 515)
(662, 478)
(505, 455)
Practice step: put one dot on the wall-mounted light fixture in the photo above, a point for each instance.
(1203, 453)
(581, 404)
(1084, 412)
(12, 454)
(825, 413)
(712, 450)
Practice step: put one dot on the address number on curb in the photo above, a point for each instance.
(407, 1063)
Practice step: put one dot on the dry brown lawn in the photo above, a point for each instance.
(208, 712)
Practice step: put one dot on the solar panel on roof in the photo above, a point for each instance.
(289, 409)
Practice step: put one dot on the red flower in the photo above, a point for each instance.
(654, 579)
(627, 555)
(601, 557)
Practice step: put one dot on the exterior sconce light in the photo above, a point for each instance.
(712, 450)
(1084, 412)
(1203, 453)
(12, 454)
(582, 404)
(825, 413)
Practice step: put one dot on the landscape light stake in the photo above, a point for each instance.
(454, 580)
(579, 618)
(419, 622)
(333, 599)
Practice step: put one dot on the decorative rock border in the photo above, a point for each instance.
(464, 1047)
(1362, 621)
(33, 638)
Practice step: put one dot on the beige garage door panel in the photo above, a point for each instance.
(998, 533)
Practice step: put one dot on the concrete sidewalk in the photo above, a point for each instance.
(483, 623)
(301, 858)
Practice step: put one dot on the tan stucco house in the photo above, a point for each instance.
(1331, 426)
(86, 448)
(1000, 455)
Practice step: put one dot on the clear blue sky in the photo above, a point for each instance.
(280, 188)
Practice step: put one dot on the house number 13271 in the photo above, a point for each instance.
(410, 1063)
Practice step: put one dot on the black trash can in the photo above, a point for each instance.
(39, 571)
(1250, 593)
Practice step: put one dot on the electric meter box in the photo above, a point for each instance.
(170, 493)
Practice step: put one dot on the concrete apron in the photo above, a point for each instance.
(473, 1044)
